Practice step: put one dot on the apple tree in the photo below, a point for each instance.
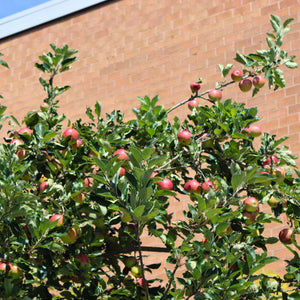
(77, 198)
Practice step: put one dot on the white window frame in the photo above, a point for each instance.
(41, 14)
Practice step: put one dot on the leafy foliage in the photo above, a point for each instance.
(107, 204)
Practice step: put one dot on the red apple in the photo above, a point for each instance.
(253, 130)
(17, 142)
(21, 154)
(193, 104)
(122, 154)
(83, 259)
(271, 160)
(251, 204)
(70, 237)
(86, 181)
(73, 133)
(285, 236)
(195, 87)
(207, 185)
(122, 171)
(153, 174)
(25, 130)
(192, 186)
(258, 81)
(251, 216)
(237, 75)
(245, 85)
(77, 144)
(165, 184)
(3, 267)
(184, 137)
(43, 186)
(142, 282)
(59, 218)
(215, 95)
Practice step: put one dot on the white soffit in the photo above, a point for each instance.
(41, 14)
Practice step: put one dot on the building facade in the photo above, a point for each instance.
(130, 48)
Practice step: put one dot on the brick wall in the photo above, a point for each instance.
(131, 48)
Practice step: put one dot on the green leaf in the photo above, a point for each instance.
(276, 19)
(287, 22)
(237, 178)
(40, 129)
(138, 212)
(240, 58)
(270, 43)
(279, 78)
(89, 113)
(3, 63)
(291, 65)
(98, 108)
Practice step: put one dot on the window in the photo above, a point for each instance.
(39, 14)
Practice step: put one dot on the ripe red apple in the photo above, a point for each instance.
(207, 185)
(271, 160)
(285, 236)
(195, 87)
(83, 259)
(59, 218)
(215, 95)
(136, 271)
(25, 130)
(258, 81)
(122, 154)
(122, 171)
(245, 85)
(253, 130)
(21, 154)
(251, 216)
(73, 133)
(70, 237)
(43, 186)
(153, 174)
(273, 202)
(251, 204)
(184, 137)
(77, 144)
(3, 267)
(142, 282)
(14, 271)
(165, 184)
(192, 186)
(17, 142)
(86, 181)
(237, 75)
(193, 104)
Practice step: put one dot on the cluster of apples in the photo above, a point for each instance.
(245, 84)
(136, 271)
(271, 167)
(213, 95)
(251, 209)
